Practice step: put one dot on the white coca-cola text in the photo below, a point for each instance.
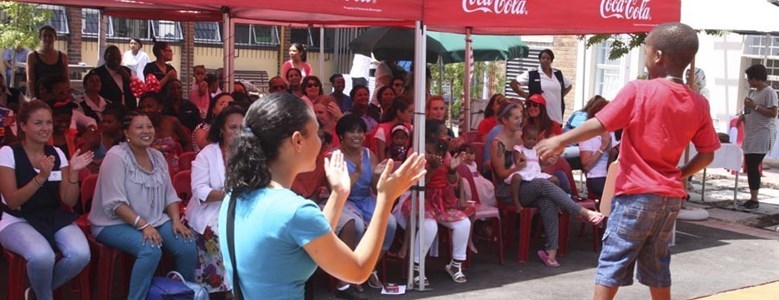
(625, 9)
(500, 7)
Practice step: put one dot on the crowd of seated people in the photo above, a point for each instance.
(133, 123)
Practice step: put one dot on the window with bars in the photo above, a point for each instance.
(772, 66)
(59, 18)
(166, 30)
(310, 36)
(243, 34)
(761, 45)
(207, 32)
(130, 28)
(90, 23)
(265, 35)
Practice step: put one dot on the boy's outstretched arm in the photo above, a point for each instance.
(556, 144)
(697, 163)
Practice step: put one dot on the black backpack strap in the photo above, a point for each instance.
(559, 75)
(237, 293)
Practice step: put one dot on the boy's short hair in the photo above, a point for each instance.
(528, 129)
(757, 72)
(679, 42)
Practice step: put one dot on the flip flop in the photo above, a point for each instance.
(549, 262)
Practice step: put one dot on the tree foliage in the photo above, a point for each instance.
(19, 24)
(453, 79)
(621, 44)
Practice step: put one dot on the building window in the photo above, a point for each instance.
(166, 30)
(608, 76)
(265, 35)
(243, 34)
(207, 32)
(90, 23)
(59, 19)
(759, 45)
(304, 36)
(130, 28)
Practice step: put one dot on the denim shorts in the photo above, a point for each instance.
(638, 232)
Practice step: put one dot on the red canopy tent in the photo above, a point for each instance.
(507, 17)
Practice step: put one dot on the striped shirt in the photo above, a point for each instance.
(759, 130)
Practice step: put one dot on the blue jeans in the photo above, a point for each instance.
(638, 233)
(128, 239)
(44, 273)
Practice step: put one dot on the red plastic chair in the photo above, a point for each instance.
(185, 160)
(17, 275)
(470, 136)
(483, 211)
(182, 183)
(478, 152)
(508, 214)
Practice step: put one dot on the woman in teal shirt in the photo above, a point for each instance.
(279, 237)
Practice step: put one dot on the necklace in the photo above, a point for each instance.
(674, 78)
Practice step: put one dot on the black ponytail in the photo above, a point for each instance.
(267, 123)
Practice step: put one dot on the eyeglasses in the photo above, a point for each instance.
(533, 104)
(398, 84)
(312, 85)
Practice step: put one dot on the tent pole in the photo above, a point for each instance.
(467, 80)
(321, 52)
(228, 74)
(418, 199)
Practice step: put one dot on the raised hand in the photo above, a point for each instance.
(393, 184)
(334, 110)
(380, 167)
(456, 160)
(337, 173)
(46, 163)
(80, 160)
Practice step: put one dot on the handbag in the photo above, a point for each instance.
(237, 293)
(174, 287)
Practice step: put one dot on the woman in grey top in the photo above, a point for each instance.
(135, 208)
(760, 110)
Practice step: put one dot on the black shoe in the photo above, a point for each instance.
(750, 205)
(350, 293)
(29, 294)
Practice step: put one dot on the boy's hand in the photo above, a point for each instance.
(549, 147)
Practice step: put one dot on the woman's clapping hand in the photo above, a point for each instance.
(393, 184)
(337, 174)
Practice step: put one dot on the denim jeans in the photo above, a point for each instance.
(44, 273)
(128, 239)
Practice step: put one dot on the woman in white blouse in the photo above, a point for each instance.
(208, 179)
(135, 58)
(136, 209)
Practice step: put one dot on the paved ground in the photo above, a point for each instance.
(730, 250)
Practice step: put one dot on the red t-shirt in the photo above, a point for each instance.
(486, 125)
(660, 118)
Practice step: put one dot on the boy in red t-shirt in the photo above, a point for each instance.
(660, 117)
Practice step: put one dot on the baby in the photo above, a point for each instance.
(526, 152)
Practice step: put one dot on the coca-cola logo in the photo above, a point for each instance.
(499, 7)
(626, 9)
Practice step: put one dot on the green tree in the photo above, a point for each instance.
(454, 76)
(621, 44)
(20, 23)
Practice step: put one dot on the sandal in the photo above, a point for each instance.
(416, 278)
(548, 261)
(455, 270)
(374, 282)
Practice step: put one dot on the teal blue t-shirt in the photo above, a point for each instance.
(271, 228)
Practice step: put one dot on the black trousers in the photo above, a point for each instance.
(753, 161)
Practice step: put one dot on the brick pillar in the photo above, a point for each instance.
(285, 36)
(187, 56)
(565, 52)
(74, 40)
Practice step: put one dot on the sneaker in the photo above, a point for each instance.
(750, 205)
(350, 293)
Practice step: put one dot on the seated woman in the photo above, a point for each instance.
(400, 112)
(37, 183)
(364, 173)
(92, 104)
(328, 114)
(136, 209)
(208, 178)
(538, 193)
(442, 206)
(171, 139)
(490, 120)
(538, 117)
(200, 134)
(594, 154)
(386, 96)
(360, 97)
(110, 134)
(273, 239)
(312, 89)
(175, 105)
